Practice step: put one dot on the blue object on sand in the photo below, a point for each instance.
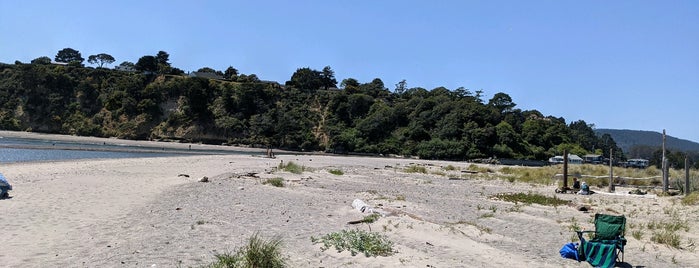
(4, 186)
(570, 251)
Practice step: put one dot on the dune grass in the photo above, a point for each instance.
(531, 198)
(256, 253)
(416, 169)
(292, 167)
(691, 199)
(337, 172)
(276, 182)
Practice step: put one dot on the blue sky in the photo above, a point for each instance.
(615, 64)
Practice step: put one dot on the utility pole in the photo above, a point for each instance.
(611, 170)
(666, 183)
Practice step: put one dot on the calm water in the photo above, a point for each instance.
(31, 150)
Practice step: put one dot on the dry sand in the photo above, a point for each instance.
(144, 213)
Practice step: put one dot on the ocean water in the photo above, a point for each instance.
(33, 150)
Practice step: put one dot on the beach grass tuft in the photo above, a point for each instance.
(691, 199)
(292, 167)
(416, 169)
(276, 182)
(666, 237)
(257, 253)
(337, 172)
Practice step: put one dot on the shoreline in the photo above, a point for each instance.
(124, 142)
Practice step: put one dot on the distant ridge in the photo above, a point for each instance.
(626, 139)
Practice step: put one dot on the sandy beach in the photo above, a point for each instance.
(154, 212)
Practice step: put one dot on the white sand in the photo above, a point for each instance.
(140, 213)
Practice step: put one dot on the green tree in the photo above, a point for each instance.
(100, 59)
(306, 79)
(42, 60)
(127, 65)
(350, 85)
(327, 77)
(69, 55)
(502, 102)
(207, 70)
(163, 60)
(401, 87)
(147, 64)
(230, 73)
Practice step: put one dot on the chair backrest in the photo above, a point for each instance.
(608, 227)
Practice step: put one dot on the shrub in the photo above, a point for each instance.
(371, 244)
(416, 169)
(276, 182)
(292, 167)
(336, 172)
(257, 253)
(691, 199)
(666, 237)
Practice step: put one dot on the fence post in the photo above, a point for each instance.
(565, 169)
(666, 181)
(686, 175)
(611, 170)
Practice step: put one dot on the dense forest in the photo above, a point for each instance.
(311, 112)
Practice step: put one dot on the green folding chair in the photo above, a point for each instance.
(608, 242)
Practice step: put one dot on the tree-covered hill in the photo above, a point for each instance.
(627, 139)
(152, 100)
(648, 145)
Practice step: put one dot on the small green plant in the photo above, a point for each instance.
(666, 237)
(450, 168)
(637, 234)
(292, 167)
(400, 197)
(486, 215)
(691, 199)
(493, 208)
(257, 253)
(531, 198)
(371, 244)
(276, 182)
(518, 208)
(482, 229)
(336, 172)
(574, 226)
(416, 169)
(438, 173)
(371, 218)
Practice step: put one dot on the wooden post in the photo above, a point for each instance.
(686, 175)
(611, 170)
(565, 169)
(666, 183)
